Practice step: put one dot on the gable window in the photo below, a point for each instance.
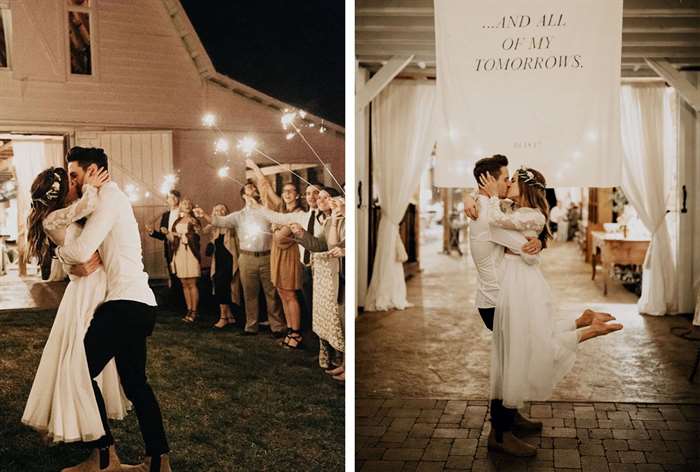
(5, 28)
(79, 36)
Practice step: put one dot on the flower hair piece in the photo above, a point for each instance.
(51, 194)
(528, 177)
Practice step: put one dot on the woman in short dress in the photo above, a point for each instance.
(285, 259)
(184, 241)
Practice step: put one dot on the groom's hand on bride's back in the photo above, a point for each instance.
(86, 268)
(532, 246)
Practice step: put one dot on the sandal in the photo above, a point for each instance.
(294, 335)
(285, 341)
(191, 317)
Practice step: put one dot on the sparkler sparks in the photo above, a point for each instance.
(290, 136)
(209, 120)
(288, 119)
(132, 191)
(248, 145)
(221, 145)
(168, 184)
(223, 171)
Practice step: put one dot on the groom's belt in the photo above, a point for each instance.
(255, 253)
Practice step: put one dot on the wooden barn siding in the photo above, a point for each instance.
(142, 159)
(147, 81)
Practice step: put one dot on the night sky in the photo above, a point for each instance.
(293, 51)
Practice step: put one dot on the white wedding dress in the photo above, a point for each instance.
(62, 403)
(531, 350)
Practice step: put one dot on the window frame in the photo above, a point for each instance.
(5, 8)
(91, 11)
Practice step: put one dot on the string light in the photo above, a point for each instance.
(223, 171)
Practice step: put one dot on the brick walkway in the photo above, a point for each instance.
(435, 435)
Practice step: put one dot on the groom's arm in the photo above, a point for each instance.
(96, 230)
(514, 241)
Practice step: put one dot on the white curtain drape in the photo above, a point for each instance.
(645, 121)
(29, 158)
(402, 139)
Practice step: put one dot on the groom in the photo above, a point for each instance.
(486, 245)
(122, 323)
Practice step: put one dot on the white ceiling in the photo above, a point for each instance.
(655, 29)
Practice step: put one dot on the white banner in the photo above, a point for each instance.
(536, 80)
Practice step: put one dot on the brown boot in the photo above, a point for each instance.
(92, 463)
(146, 465)
(524, 424)
(511, 445)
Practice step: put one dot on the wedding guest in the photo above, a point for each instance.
(285, 263)
(255, 241)
(184, 241)
(328, 279)
(223, 250)
(158, 230)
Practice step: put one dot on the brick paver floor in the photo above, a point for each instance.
(427, 435)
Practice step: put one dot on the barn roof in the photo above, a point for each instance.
(206, 68)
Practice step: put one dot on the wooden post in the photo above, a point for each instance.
(447, 208)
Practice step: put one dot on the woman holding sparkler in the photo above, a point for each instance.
(285, 262)
(184, 240)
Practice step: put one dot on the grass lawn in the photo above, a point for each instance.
(229, 402)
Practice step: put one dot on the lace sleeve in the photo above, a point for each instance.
(520, 220)
(61, 219)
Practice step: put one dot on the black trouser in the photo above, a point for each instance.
(119, 330)
(502, 418)
(307, 298)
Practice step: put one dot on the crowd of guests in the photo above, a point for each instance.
(288, 245)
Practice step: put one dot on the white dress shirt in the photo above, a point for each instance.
(487, 243)
(112, 229)
(302, 218)
(252, 226)
(172, 217)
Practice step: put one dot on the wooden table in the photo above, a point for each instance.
(613, 248)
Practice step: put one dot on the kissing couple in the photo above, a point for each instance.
(93, 366)
(532, 348)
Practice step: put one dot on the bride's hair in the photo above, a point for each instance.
(531, 185)
(49, 191)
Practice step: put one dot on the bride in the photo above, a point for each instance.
(62, 402)
(532, 350)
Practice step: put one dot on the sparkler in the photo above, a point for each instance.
(131, 191)
(288, 121)
(223, 172)
(249, 145)
(221, 145)
(209, 120)
(168, 184)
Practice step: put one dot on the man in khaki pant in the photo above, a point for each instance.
(255, 239)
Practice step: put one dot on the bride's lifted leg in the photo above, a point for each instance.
(598, 328)
(589, 316)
